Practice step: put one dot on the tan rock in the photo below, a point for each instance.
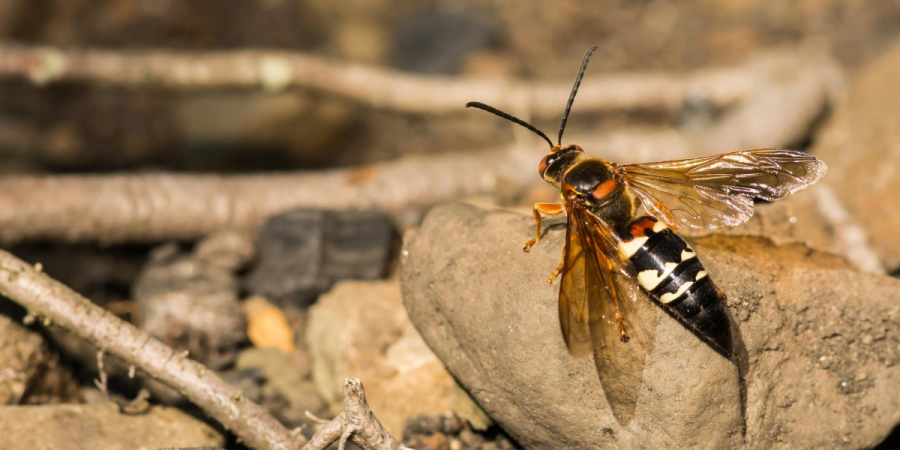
(361, 329)
(815, 218)
(29, 371)
(101, 426)
(861, 146)
(286, 376)
(817, 346)
(21, 354)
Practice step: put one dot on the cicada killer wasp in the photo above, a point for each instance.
(622, 234)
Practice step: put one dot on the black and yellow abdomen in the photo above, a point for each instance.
(669, 271)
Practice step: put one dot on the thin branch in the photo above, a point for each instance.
(45, 297)
(154, 207)
(383, 88)
(356, 423)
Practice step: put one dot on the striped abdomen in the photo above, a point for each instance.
(669, 271)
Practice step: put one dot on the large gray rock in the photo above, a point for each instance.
(819, 349)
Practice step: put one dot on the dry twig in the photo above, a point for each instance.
(384, 88)
(43, 296)
(102, 381)
(149, 208)
(154, 207)
(356, 423)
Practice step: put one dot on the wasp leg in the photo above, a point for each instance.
(620, 324)
(556, 272)
(550, 209)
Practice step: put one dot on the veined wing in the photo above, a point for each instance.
(718, 190)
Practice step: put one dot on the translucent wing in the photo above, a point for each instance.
(577, 285)
(718, 190)
(599, 305)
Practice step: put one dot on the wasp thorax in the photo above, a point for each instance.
(554, 165)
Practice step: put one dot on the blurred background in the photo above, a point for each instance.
(331, 127)
(96, 127)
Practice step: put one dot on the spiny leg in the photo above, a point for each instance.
(620, 324)
(556, 272)
(620, 320)
(550, 209)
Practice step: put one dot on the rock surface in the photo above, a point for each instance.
(190, 301)
(813, 217)
(819, 357)
(287, 390)
(360, 329)
(22, 353)
(861, 146)
(102, 426)
(29, 371)
(448, 431)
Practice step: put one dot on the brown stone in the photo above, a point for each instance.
(361, 329)
(861, 146)
(101, 426)
(818, 352)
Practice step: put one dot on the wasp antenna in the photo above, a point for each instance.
(510, 118)
(584, 62)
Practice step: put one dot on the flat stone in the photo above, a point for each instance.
(485, 309)
(101, 426)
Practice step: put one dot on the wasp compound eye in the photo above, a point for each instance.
(543, 166)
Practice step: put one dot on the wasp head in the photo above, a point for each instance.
(560, 158)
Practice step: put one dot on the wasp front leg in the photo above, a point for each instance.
(550, 209)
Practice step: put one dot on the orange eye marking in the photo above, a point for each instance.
(607, 187)
(543, 166)
(640, 228)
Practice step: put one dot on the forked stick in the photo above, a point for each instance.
(51, 301)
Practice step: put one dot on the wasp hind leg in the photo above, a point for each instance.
(550, 209)
(556, 272)
(623, 331)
